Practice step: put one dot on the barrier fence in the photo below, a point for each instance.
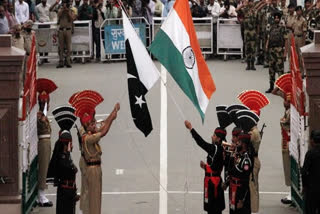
(229, 41)
(203, 28)
(112, 37)
(47, 39)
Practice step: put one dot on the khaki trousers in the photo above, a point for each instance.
(94, 178)
(254, 186)
(286, 166)
(300, 42)
(84, 201)
(65, 44)
(44, 153)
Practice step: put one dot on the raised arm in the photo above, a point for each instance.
(108, 121)
(209, 148)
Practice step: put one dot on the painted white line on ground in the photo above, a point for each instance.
(172, 192)
(163, 195)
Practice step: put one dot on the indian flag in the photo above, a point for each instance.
(177, 48)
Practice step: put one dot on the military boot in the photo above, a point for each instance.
(252, 65)
(271, 88)
(248, 65)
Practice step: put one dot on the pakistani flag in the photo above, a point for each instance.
(177, 48)
(142, 74)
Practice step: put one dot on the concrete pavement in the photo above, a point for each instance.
(131, 161)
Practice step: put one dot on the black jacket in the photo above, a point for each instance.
(311, 170)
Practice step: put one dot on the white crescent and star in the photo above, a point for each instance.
(139, 101)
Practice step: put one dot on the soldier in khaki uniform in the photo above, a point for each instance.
(65, 30)
(283, 89)
(254, 176)
(90, 162)
(299, 29)
(92, 156)
(290, 19)
(84, 201)
(44, 88)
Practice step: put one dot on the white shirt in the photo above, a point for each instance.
(4, 26)
(43, 12)
(214, 10)
(22, 12)
(231, 11)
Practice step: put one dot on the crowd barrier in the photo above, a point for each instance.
(229, 40)
(112, 37)
(203, 28)
(47, 39)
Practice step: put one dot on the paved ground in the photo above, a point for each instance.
(131, 162)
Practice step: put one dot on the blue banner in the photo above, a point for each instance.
(114, 38)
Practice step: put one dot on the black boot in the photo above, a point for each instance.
(248, 65)
(271, 88)
(252, 65)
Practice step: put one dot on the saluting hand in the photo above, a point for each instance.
(115, 111)
(188, 125)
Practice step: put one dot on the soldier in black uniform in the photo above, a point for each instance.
(61, 168)
(229, 150)
(224, 121)
(239, 174)
(213, 193)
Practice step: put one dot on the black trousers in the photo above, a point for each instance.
(312, 203)
(96, 39)
(66, 203)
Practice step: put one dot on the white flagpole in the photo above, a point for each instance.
(163, 195)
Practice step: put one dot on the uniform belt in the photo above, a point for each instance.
(68, 184)
(65, 28)
(298, 35)
(44, 136)
(93, 163)
(237, 180)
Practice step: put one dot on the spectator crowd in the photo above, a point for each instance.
(15, 16)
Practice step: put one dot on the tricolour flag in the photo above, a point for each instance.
(142, 74)
(177, 48)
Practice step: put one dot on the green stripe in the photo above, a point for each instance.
(169, 56)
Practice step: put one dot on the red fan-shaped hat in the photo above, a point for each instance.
(44, 88)
(284, 83)
(94, 96)
(85, 111)
(73, 98)
(254, 100)
(85, 103)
